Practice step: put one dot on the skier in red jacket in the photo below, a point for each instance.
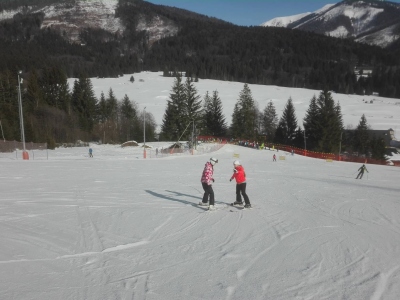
(206, 181)
(240, 175)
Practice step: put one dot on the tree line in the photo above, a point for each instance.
(322, 129)
(55, 114)
(204, 48)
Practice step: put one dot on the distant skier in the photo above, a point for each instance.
(206, 181)
(274, 158)
(240, 175)
(362, 169)
(90, 152)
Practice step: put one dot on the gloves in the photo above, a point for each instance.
(230, 180)
(213, 180)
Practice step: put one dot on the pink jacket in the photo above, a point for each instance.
(208, 172)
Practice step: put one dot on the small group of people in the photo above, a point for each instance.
(207, 180)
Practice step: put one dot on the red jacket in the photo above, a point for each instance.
(239, 174)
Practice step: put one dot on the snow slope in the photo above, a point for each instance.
(285, 21)
(152, 90)
(117, 226)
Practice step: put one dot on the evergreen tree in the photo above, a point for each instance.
(361, 137)
(172, 126)
(330, 123)
(128, 117)
(286, 131)
(54, 88)
(193, 110)
(244, 115)
(112, 106)
(84, 103)
(270, 121)
(102, 113)
(378, 148)
(311, 124)
(33, 92)
(207, 118)
(215, 123)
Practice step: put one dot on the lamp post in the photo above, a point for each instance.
(305, 143)
(144, 132)
(25, 154)
(340, 145)
(2, 131)
(193, 142)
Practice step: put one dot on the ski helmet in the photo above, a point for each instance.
(213, 160)
(236, 163)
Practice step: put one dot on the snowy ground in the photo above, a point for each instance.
(151, 90)
(118, 226)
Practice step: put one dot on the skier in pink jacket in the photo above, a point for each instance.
(206, 181)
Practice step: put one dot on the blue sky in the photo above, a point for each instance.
(248, 12)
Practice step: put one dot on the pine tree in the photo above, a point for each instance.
(214, 120)
(172, 126)
(84, 103)
(286, 131)
(311, 124)
(270, 121)
(128, 116)
(193, 111)
(378, 148)
(102, 113)
(207, 117)
(244, 115)
(33, 93)
(54, 88)
(361, 137)
(112, 106)
(330, 124)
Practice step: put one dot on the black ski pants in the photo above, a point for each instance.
(361, 173)
(241, 189)
(208, 193)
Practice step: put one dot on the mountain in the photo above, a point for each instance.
(108, 38)
(371, 22)
(71, 17)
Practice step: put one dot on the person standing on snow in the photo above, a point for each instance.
(240, 175)
(90, 152)
(206, 181)
(362, 169)
(274, 158)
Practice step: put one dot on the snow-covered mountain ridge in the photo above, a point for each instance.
(69, 19)
(371, 22)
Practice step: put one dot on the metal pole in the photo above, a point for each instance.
(305, 143)
(193, 137)
(2, 131)
(144, 132)
(340, 144)
(21, 116)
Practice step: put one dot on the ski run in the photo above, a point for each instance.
(117, 226)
